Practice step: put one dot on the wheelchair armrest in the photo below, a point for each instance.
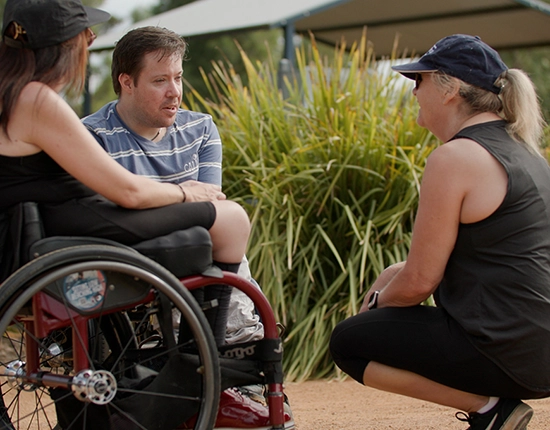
(20, 227)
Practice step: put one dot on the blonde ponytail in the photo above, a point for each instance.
(521, 108)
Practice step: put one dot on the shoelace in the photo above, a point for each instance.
(461, 416)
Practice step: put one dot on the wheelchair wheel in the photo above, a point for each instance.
(89, 341)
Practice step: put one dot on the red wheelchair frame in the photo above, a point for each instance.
(29, 288)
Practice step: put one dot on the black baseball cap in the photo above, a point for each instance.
(462, 56)
(49, 22)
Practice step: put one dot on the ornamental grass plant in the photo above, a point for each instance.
(329, 171)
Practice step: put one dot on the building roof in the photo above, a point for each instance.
(503, 24)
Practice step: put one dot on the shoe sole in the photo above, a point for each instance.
(519, 418)
(289, 425)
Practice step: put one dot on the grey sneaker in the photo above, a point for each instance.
(508, 414)
(254, 392)
(258, 394)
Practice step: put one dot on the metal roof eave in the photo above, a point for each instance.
(536, 5)
(302, 17)
(201, 8)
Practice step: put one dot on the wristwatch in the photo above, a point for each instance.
(373, 302)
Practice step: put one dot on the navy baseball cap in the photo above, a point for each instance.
(48, 22)
(462, 56)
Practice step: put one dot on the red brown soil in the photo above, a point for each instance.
(335, 405)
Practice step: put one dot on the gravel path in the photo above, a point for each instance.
(334, 405)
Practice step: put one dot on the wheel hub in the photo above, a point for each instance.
(15, 374)
(53, 355)
(95, 386)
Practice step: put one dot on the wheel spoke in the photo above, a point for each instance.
(38, 359)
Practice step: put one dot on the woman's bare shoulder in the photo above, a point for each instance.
(38, 108)
(458, 152)
(36, 92)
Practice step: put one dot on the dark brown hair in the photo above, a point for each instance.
(59, 64)
(132, 48)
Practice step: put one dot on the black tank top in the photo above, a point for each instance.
(497, 280)
(36, 178)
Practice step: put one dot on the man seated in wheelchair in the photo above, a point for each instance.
(147, 132)
(48, 157)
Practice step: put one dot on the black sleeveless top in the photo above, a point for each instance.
(36, 178)
(497, 280)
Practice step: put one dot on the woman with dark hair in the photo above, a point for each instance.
(481, 246)
(47, 156)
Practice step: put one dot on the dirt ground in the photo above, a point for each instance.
(335, 405)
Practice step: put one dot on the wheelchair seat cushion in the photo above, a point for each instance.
(183, 252)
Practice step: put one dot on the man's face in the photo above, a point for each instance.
(157, 91)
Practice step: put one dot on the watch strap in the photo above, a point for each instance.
(373, 302)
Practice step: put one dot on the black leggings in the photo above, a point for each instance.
(96, 216)
(425, 341)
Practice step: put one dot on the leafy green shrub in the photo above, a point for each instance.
(329, 174)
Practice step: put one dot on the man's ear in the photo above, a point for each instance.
(126, 82)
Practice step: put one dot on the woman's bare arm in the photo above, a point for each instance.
(462, 183)
(42, 120)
